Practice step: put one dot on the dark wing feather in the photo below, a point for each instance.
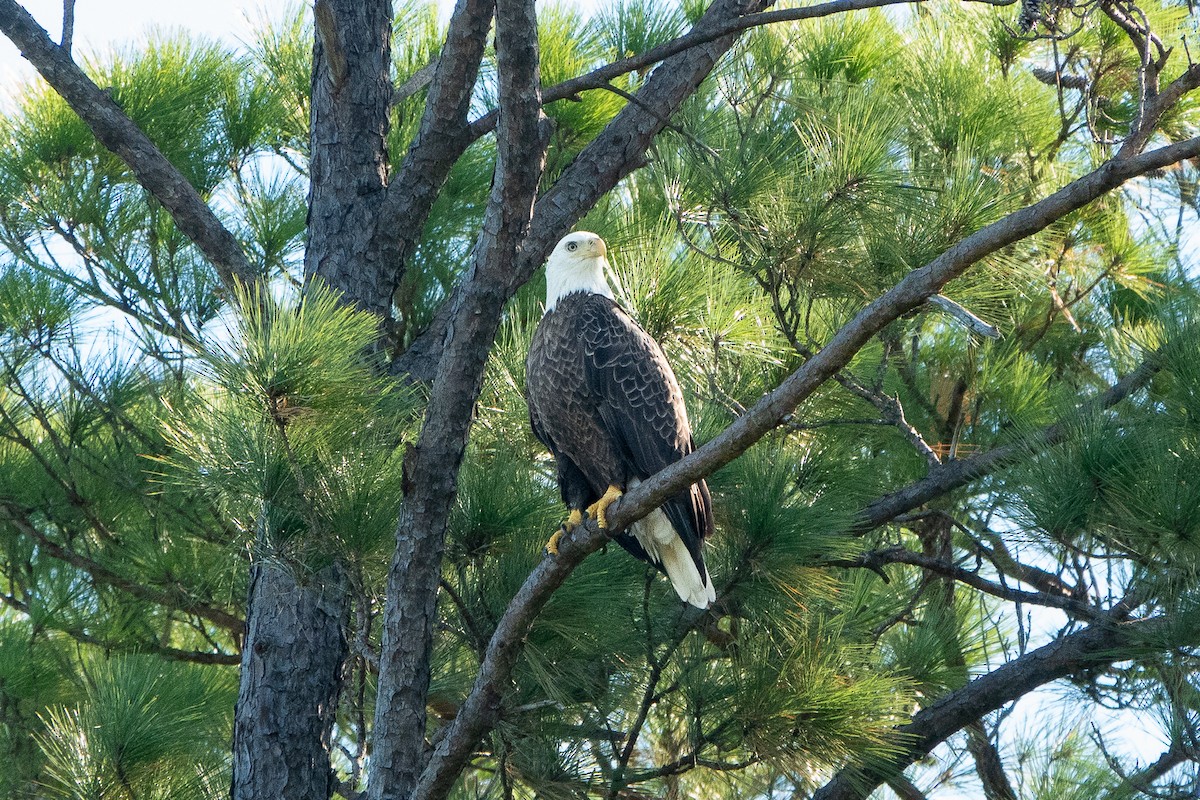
(639, 401)
(551, 372)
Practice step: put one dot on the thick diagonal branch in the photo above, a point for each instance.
(479, 714)
(122, 136)
(1099, 644)
(911, 292)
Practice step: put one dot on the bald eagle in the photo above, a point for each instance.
(604, 400)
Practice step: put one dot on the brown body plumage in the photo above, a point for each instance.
(604, 399)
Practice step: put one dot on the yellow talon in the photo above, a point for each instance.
(599, 508)
(572, 522)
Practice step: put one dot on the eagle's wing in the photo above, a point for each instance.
(639, 401)
(543, 371)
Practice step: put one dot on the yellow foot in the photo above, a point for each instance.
(573, 520)
(599, 508)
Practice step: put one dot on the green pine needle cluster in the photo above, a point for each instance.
(142, 728)
(295, 432)
(158, 434)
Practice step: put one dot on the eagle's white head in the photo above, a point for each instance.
(576, 265)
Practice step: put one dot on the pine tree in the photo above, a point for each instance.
(266, 471)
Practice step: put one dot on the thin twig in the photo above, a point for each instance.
(68, 26)
(601, 76)
(902, 555)
(119, 646)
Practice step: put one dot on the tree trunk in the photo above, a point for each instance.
(431, 468)
(295, 623)
(290, 680)
(351, 89)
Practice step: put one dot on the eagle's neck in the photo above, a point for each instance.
(575, 275)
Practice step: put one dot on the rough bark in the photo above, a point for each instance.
(351, 91)
(453, 352)
(290, 678)
(440, 141)
(461, 340)
(617, 151)
(119, 134)
(295, 640)
(431, 468)
(478, 714)
(988, 765)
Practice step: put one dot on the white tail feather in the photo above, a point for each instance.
(660, 541)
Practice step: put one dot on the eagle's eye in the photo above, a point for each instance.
(572, 246)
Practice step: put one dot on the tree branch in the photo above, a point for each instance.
(909, 293)
(891, 411)
(1097, 645)
(1156, 106)
(415, 83)
(1041, 579)
(988, 765)
(601, 77)
(480, 710)
(965, 318)
(875, 560)
(617, 151)
(68, 26)
(955, 474)
(431, 468)
(688, 762)
(905, 789)
(119, 134)
(101, 574)
(109, 645)
(440, 141)
(1143, 780)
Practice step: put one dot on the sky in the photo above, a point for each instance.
(103, 24)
